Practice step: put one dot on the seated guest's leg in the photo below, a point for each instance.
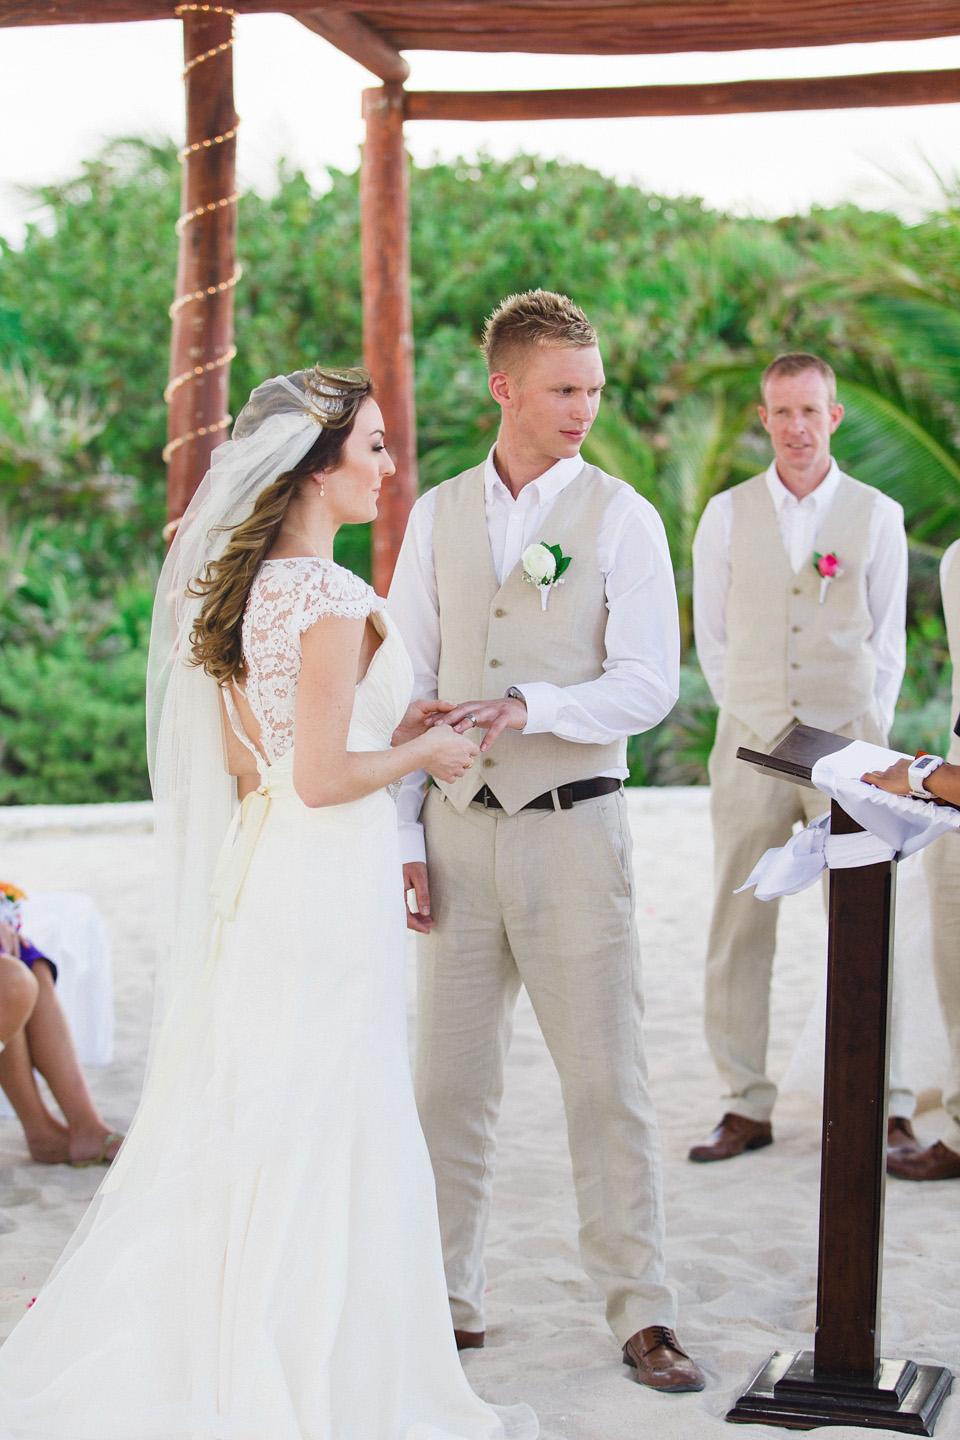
(48, 1140)
(54, 1055)
(18, 995)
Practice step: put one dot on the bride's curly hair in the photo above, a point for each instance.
(216, 638)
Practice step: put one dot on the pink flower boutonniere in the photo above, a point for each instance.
(828, 568)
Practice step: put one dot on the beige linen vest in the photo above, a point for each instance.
(493, 636)
(789, 657)
(951, 613)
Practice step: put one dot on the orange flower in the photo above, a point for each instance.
(11, 892)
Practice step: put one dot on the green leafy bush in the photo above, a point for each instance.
(676, 752)
(71, 726)
(690, 305)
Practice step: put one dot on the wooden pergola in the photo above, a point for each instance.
(375, 35)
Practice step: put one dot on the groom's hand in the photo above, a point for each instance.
(415, 882)
(493, 716)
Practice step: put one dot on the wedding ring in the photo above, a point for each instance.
(473, 720)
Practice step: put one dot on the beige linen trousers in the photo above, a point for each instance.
(942, 865)
(752, 812)
(541, 898)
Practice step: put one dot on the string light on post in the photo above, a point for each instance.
(207, 275)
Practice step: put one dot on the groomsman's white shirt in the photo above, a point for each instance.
(799, 522)
(640, 679)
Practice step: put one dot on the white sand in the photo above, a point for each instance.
(742, 1236)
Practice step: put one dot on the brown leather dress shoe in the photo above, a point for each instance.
(657, 1360)
(900, 1137)
(733, 1135)
(937, 1163)
(469, 1339)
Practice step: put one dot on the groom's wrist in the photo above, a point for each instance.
(540, 702)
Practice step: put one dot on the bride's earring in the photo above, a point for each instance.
(321, 488)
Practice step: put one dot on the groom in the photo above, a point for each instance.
(526, 874)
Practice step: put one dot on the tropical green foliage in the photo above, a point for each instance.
(690, 306)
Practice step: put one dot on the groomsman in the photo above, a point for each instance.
(799, 601)
(941, 1160)
(527, 876)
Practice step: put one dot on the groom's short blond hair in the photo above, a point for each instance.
(535, 318)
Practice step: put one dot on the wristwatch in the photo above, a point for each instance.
(923, 766)
(514, 694)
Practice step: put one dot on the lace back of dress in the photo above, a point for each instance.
(286, 598)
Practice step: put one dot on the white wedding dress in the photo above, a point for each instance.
(263, 1261)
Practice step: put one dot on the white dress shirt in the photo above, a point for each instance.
(640, 679)
(799, 522)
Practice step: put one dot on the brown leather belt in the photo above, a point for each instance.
(567, 795)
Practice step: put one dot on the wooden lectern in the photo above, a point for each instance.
(844, 1380)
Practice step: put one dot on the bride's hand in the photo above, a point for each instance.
(447, 755)
(420, 716)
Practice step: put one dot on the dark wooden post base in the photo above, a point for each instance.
(843, 1380)
(790, 1393)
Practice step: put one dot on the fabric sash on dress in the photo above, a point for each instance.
(237, 851)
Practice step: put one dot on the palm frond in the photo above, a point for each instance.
(899, 443)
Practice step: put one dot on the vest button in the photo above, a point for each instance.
(494, 664)
(488, 763)
(795, 629)
(794, 665)
(796, 590)
(499, 612)
(794, 704)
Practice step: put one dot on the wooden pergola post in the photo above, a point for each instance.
(202, 313)
(387, 320)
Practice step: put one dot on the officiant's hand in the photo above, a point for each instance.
(416, 884)
(421, 714)
(490, 715)
(942, 784)
(894, 780)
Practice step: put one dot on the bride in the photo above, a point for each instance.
(263, 1260)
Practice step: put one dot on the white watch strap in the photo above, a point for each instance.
(923, 766)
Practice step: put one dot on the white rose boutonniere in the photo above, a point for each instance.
(543, 566)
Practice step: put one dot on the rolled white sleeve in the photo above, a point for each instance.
(711, 587)
(887, 602)
(640, 680)
(413, 606)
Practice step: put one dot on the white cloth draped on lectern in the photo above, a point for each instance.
(895, 826)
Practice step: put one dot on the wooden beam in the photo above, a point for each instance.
(832, 92)
(387, 320)
(202, 339)
(589, 27)
(655, 29)
(594, 27)
(359, 40)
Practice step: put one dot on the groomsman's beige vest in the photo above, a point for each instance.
(789, 656)
(493, 636)
(950, 591)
